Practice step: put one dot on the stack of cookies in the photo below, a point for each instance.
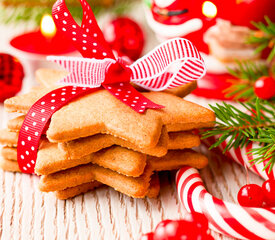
(96, 140)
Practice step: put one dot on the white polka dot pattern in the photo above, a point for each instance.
(88, 39)
(36, 122)
(134, 100)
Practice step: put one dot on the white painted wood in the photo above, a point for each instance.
(26, 213)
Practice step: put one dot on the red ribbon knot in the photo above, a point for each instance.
(117, 72)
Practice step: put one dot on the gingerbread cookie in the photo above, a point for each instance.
(15, 124)
(153, 190)
(10, 166)
(182, 140)
(77, 190)
(9, 153)
(50, 159)
(95, 113)
(106, 113)
(8, 138)
(84, 146)
(175, 159)
(134, 187)
(89, 172)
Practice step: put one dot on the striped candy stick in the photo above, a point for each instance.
(226, 218)
(242, 157)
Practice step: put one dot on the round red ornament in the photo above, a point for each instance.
(125, 37)
(265, 87)
(194, 226)
(11, 76)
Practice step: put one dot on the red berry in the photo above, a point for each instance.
(265, 87)
(147, 236)
(198, 219)
(269, 192)
(251, 195)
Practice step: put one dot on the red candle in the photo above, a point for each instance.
(45, 41)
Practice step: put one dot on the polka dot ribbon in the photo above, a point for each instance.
(172, 64)
(37, 120)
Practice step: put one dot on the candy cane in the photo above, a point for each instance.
(242, 156)
(226, 218)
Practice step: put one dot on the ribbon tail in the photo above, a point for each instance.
(37, 121)
(127, 94)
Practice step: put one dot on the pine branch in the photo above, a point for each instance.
(247, 73)
(264, 37)
(239, 127)
(267, 149)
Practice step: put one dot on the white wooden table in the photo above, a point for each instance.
(26, 213)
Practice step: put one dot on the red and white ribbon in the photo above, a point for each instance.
(226, 218)
(171, 64)
(244, 158)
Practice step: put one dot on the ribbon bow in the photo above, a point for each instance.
(99, 67)
(171, 64)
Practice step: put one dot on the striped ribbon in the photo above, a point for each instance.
(172, 64)
(226, 218)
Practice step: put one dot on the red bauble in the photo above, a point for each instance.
(11, 76)
(125, 37)
(171, 230)
(193, 228)
(269, 192)
(251, 195)
(265, 87)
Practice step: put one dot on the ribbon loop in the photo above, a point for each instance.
(87, 39)
(173, 63)
(83, 72)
